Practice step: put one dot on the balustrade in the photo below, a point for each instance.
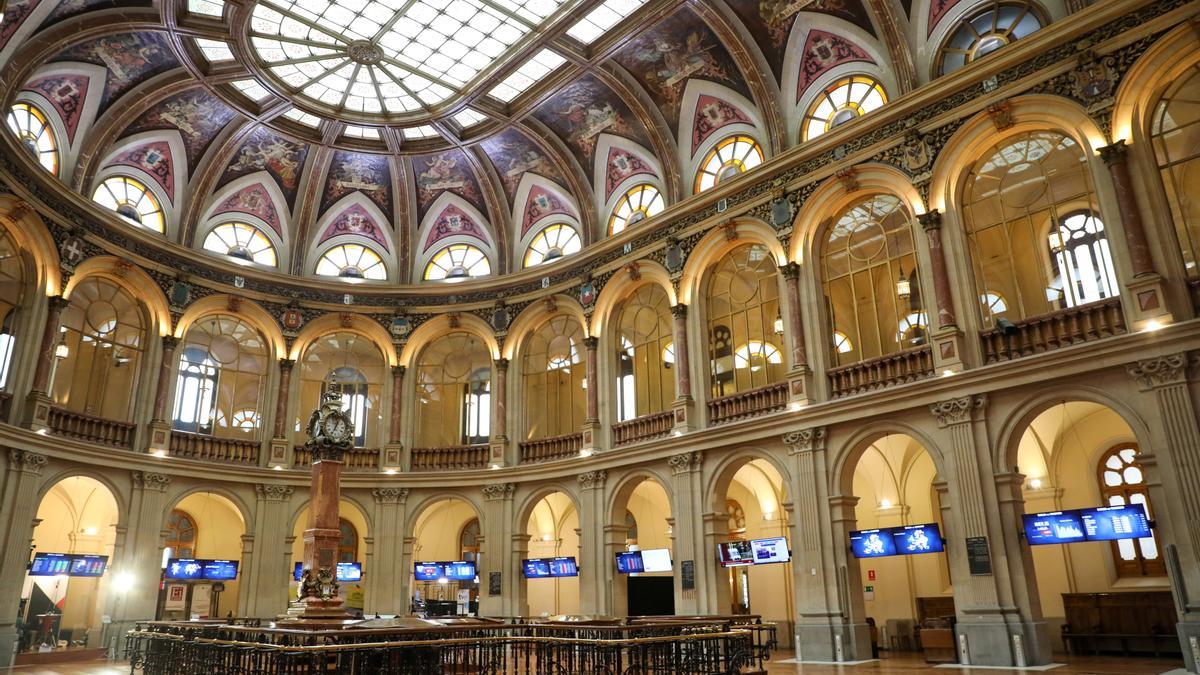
(88, 428)
(354, 459)
(554, 447)
(450, 458)
(642, 428)
(1054, 330)
(212, 449)
(909, 365)
(750, 403)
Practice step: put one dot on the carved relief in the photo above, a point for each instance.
(498, 491)
(685, 462)
(1159, 371)
(957, 410)
(274, 493)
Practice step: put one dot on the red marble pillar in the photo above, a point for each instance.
(45, 361)
(683, 371)
(795, 328)
(169, 343)
(1115, 156)
(931, 221)
(499, 392)
(591, 376)
(397, 402)
(281, 401)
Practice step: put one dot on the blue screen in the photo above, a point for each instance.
(50, 564)
(1055, 527)
(1106, 523)
(349, 571)
(183, 568)
(537, 568)
(630, 562)
(88, 565)
(427, 571)
(872, 543)
(773, 550)
(914, 539)
(220, 570)
(460, 571)
(563, 567)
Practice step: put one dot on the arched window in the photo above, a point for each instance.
(182, 535)
(352, 365)
(132, 200)
(756, 355)
(743, 303)
(553, 242)
(103, 336)
(29, 125)
(847, 99)
(553, 373)
(730, 157)
(457, 262)
(347, 541)
(221, 375)
(737, 519)
(1123, 481)
(869, 271)
(1175, 136)
(645, 378)
(352, 261)
(468, 540)
(1036, 240)
(639, 203)
(988, 29)
(12, 295)
(454, 378)
(241, 241)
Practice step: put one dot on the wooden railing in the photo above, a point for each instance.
(749, 403)
(644, 427)
(446, 459)
(885, 371)
(554, 447)
(1047, 332)
(89, 428)
(355, 459)
(211, 449)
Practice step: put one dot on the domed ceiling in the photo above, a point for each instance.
(403, 126)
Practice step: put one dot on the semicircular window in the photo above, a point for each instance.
(352, 261)
(552, 243)
(847, 99)
(993, 26)
(639, 203)
(730, 157)
(132, 200)
(457, 262)
(35, 135)
(241, 241)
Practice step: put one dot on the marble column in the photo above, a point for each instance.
(140, 561)
(384, 592)
(592, 509)
(21, 482)
(280, 454)
(1115, 156)
(683, 372)
(499, 440)
(793, 315)
(37, 407)
(931, 222)
(160, 426)
(393, 451)
(592, 363)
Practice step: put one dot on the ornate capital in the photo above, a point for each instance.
(685, 462)
(286, 365)
(58, 303)
(805, 440)
(146, 480)
(930, 220)
(790, 270)
(1114, 154)
(169, 343)
(679, 311)
(957, 410)
(398, 371)
(502, 365)
(390, 495)
(1159, 371)
(274, 493)
(592, 480)
(591, 342)
(25, 461)
(498, 491)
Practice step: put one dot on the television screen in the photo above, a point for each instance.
(219, 570)
(460, 570)
(349, 571)
(914, 539)
(427, 571)
(563, 567)
(1106, 523)
(50, 564)
(872, 543)
(630, 562)
(735, 553)
(183, 568)
(536, 568)
(774, 550)
(88, 565)
(656, 560)
(1055, 527)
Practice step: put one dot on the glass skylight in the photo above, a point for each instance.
(599, 20)
(252, 89)
(468, 117)
(361, 132)
(529, 73)
(391, 56)
(424, 131)
(303, 117)
(214, 50)
(209, 7)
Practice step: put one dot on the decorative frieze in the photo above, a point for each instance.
(805, 440)
(25, 461)
(957, 410)
(685, 462)
(146, 480)
(593, 480)
(498, 491)
(390, 495)
(1159, 371)
(274, 493)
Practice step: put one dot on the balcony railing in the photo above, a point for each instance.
(355, 459)
(211, 449)
(554, 447)
(1047, 332)
(642, 428)
(451, 458)
(885, 371)
(750, 403)
(89, 428)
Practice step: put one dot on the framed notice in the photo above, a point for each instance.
(979, 557)
(494, 583)
(687, 574)
(202, 600)
(176, 598)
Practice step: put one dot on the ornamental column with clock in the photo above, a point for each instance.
(330, 435)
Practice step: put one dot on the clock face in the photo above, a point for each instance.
(336, 428)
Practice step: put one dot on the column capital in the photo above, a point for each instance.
(591, 342)
(502, 365)
(1160, 371)
(57, 303)
(679, 311)
(685, 462)
(147, 480)
(25, 461)
(273, 492)
(805, 440)
(790, 270)
(169, 343)
(287, 364)
(958, 410)
(592, 480)
(498, 491)
(930, 220)
(390, 495)
(399, 371)
(1114, 153)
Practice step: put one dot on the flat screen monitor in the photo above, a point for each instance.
(459, 570)
(872, 543)
(767, 551)
(50, 564)
(427, 571)
(630, 562)
(656, 560)
(88, 565)
(735, 553)
(563, 567)
(536, 568)
(916, 539)
(184, 568)
(1054, 527)
(219, 570)
(349, 571)
(1107, 523)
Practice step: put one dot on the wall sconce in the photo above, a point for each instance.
(903, 286)
(778, 323)
(61, 350)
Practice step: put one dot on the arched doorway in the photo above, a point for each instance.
(352, 548)
(553, 528)
(639, 521)
(208, 526)
(445, 531)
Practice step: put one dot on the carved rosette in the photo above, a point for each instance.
(498, 491)
(390, 495)
(25, 461)
(1160, 371)
(592, 480)
(146, 480)
(685, 462)
(957, 410)
(274, 493)
(805, 440)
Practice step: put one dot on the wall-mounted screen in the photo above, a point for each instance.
(460, 570)
(427, 571)
(563, 567)
(735, 553)
(537, 568)
(543, 568)
(914, 539)
(773, 550)
(630, 562)
(1106, 523)
(656, 560)
(88, 565)
(184, 568)
(50, 564)
(1054, 527)
(349, 571)
(220, 570)
(872, 543)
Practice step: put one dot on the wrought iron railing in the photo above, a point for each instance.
(554, 447)
(749, 403)
(212, 449)
(71, 424)
(909, 365)
(1055, 330)
(643, 428)
(355, 459)
(450, 458)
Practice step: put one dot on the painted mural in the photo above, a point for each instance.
(771, 21)
(622, 164)
(513, 155)
(355, 220)
(712, 114)
(453, 221)
(155, 159)
(67, 94)
(677, 49)
(71, 8)
(584, 109)
(359, 172)
(131, 58)
(823, 51)
(256, 201)
(265, 151)
(14, 15)
(197, 115)
(937, 10)
(542, 203)
(442, 172)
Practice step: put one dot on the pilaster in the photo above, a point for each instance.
(496, 554)
(594, 570)
(387, 586)
(266, 579)
(688, 511)
(18, 511)
(136, 570)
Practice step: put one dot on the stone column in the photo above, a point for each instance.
(160, 426)
(385, 592)
(37, 409)
(945, 337)
(280, 453)
(1115, 156)
(616, 598)
(20, 483)
(499, 441)
(496, 523)
(405, 580)
(684, 405)
(518, 550)
(591, 425)
(140, 561)
(852, 639)
(688, 509)
(393, 452)
(1172, 411)
(715, 526)
(592, 566)
(799, 376)
(265, 579)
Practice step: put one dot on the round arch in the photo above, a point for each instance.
(1150, 76)
(623, 283)
(248, 310)
(525, 508)
(134, 281)
(29, 233)
(535, 316)
(432, 499)
(717, 243)
(624, 488)
(723, 473)
(845, 459)
(345, 322)
(121, 498)
(437, 327)
(236, 501)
